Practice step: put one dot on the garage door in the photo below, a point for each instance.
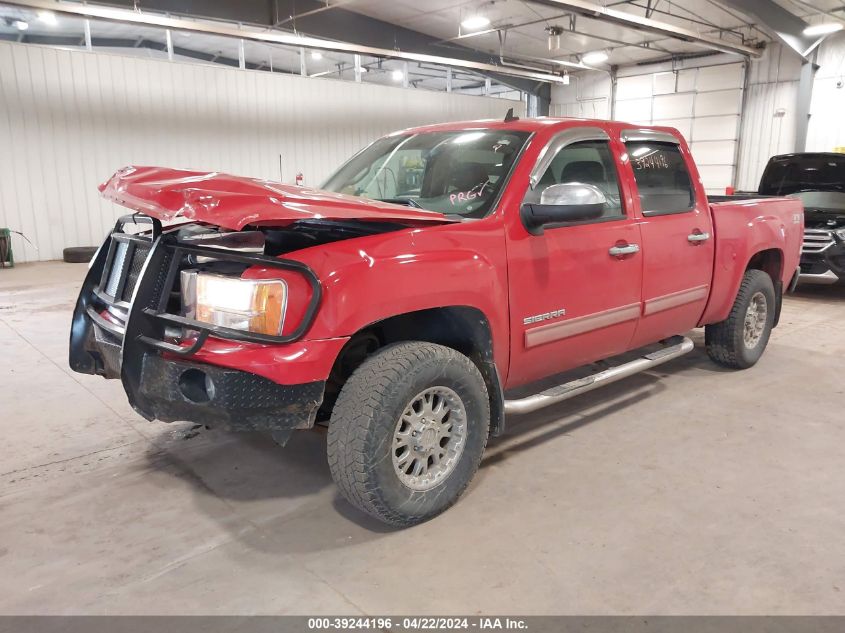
(703, 103)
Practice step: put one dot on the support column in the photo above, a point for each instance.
(88, 45)
(531, 109)
(802, 105)
(543, 93)
(613, 79)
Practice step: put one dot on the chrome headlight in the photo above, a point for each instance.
(840, 233)
(251, 305)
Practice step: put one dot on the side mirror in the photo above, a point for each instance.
(566, 202)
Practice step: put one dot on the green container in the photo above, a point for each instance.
(7, 260)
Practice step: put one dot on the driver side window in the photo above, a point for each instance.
(587, 162)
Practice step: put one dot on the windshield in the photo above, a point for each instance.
(452, 172)
(803, 172)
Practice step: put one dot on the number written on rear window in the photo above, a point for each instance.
(663, 182)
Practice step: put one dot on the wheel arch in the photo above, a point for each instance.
(730, 266)
(770, 261)
(466, 329)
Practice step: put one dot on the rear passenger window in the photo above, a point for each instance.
(662, 178)
(588, 162)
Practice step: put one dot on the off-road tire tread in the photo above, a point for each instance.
(352, 423)
(720, 338)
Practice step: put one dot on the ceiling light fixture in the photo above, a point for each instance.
(316, 55)
(554, 37)
(596, 57)
(397, 75)
(20, 25)
(825, 28)
(47, 17)
(475, 22)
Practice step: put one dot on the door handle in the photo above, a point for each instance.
(627, 249)
(698, 238)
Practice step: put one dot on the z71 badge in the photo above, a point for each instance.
(538, 318)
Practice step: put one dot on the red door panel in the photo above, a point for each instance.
(676, 275)
(677, 242)
(575, 291)
(569, 269)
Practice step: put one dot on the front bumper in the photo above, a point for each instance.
(822, 257)
(827, 267)
(173, 390)
(162, 376)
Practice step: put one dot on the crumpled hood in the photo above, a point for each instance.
(233, 202)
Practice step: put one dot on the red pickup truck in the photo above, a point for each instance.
(434, 272)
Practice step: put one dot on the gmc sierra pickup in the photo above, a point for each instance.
(434, 272)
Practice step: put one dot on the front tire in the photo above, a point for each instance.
(739, 341)
(408, 431)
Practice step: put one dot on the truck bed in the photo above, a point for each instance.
(744, 226)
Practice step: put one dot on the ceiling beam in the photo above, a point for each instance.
(510, 27)
(345, 25)
(354, 32)
(534, 81)
(786, 26)
(122, 42)
(649, 25)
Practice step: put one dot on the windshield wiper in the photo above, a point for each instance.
(408, 202)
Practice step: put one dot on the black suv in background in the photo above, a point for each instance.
(818, 179)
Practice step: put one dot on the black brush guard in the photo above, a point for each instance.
(133, 351)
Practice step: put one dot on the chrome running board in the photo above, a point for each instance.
(676, 346)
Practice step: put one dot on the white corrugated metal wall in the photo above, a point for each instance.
(69, 119)
(703, 103)
(705, 106)
(586, 97)
(702, 98)
(768, 122)
(827, 110)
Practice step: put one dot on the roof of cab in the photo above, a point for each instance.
(526, 125)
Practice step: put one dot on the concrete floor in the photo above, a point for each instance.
(687, 490)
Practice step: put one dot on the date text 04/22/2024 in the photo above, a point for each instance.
(417, 623)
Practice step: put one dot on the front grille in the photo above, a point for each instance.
(816, 240)
(135, 266)
(123, 267)
(116, 268)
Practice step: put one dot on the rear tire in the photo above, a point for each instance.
(740, 340)
(408, 431)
